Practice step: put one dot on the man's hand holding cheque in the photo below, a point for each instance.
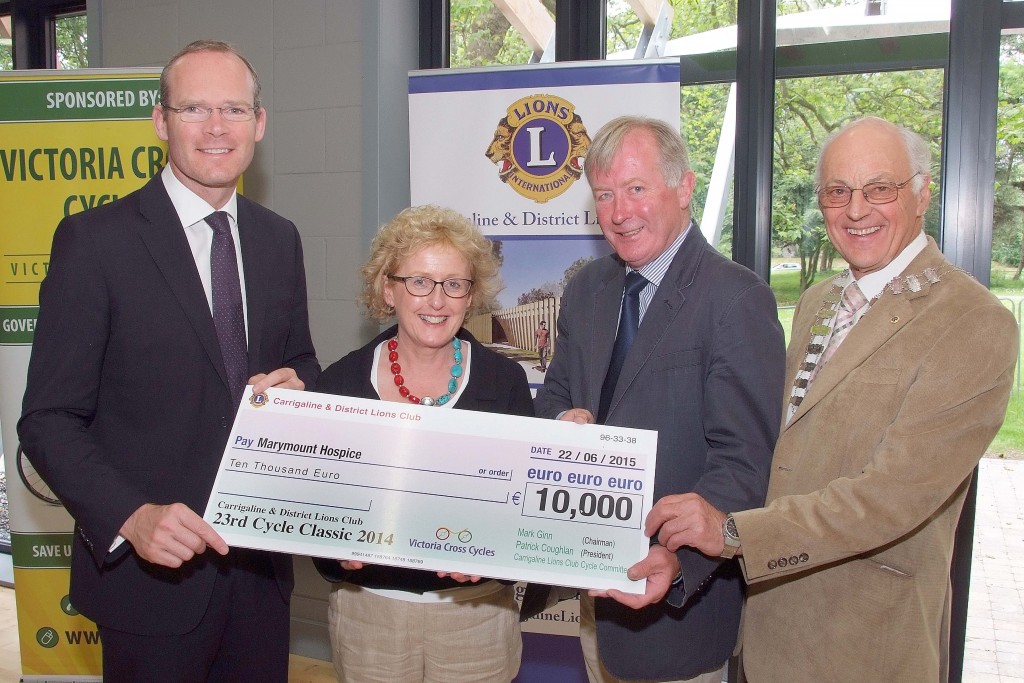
(464, 493)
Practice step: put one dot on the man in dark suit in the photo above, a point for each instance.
(149, 326)
(705, 371)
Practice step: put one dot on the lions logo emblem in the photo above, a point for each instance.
(539, 147)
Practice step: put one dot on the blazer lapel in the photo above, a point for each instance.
(870, 333)
(664, 307)
(606, 302)
(887, 316)
(165, 239)
(256, 279)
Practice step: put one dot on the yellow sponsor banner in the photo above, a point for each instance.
(55, 639)
(69, 141)
(57, 169)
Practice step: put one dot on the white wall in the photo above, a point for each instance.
(335, 156)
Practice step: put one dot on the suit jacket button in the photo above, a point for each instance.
(793, 560)
(783, 562)
(772, 564)
(804, 557)
(223, 422)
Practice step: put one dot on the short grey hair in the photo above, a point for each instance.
(675, 160)
(919, 152)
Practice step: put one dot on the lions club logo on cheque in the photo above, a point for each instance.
(539, 147)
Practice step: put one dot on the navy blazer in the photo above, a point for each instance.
(705, 372)
(127, 400)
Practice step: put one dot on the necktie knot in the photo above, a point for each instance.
(218, 220)
(851, 301)
(635, 282)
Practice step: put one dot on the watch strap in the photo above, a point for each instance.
(731, 538)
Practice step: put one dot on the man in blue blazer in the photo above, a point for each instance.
(705, 371)
(130, 397)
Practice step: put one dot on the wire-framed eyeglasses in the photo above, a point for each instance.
(417, 285)
(193, 113)
(882, 192)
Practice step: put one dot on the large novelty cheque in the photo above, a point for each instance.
(442, 490)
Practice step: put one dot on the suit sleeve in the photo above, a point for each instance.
(520, 402)
(299, 354)
(742, 413)
(954, 406)
(62, 390)
(556, 395)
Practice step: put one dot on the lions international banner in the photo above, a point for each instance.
(69, 141)
(506, 148)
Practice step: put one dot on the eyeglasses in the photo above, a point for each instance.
(838, 196)
(193, 113)
(417, 285)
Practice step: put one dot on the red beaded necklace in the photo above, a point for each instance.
(453, 383)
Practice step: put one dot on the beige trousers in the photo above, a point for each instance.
(596, 672)
(386, 640)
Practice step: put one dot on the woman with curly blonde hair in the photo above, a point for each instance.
(429, 269)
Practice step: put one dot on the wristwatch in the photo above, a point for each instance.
(730, 536)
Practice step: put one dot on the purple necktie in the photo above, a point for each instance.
(227, 304)
(629, 323)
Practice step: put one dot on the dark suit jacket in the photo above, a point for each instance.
(705, 372)
(496, 385)
(127, 400)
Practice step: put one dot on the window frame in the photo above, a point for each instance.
(33, 28)
(971, 63)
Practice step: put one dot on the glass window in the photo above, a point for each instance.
(71, 33)
(704, 32)
(1008, 213)
(710, 141)
(687, 27)
(489, 32)
(806, 111)
(876, 50)
(6, 44)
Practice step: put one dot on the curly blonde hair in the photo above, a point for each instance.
(414, 229)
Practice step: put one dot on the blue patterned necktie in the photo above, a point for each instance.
(629, 323)
(227, 304)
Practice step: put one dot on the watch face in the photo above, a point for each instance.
(730, 528)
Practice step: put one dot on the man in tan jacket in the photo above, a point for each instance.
(848, 562)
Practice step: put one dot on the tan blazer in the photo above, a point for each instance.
(848, 564)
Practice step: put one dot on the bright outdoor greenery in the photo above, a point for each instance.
(480, 35)
(806, 111)
(6, 53)
(72, 48)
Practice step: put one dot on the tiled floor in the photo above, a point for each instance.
(995, 616)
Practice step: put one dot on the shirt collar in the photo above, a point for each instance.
(654, 271)
(190, 207)
(872, 284)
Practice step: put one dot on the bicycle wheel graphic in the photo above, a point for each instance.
(443, 533)
(33, 482)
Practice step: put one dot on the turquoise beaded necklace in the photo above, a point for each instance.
(453, 383)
